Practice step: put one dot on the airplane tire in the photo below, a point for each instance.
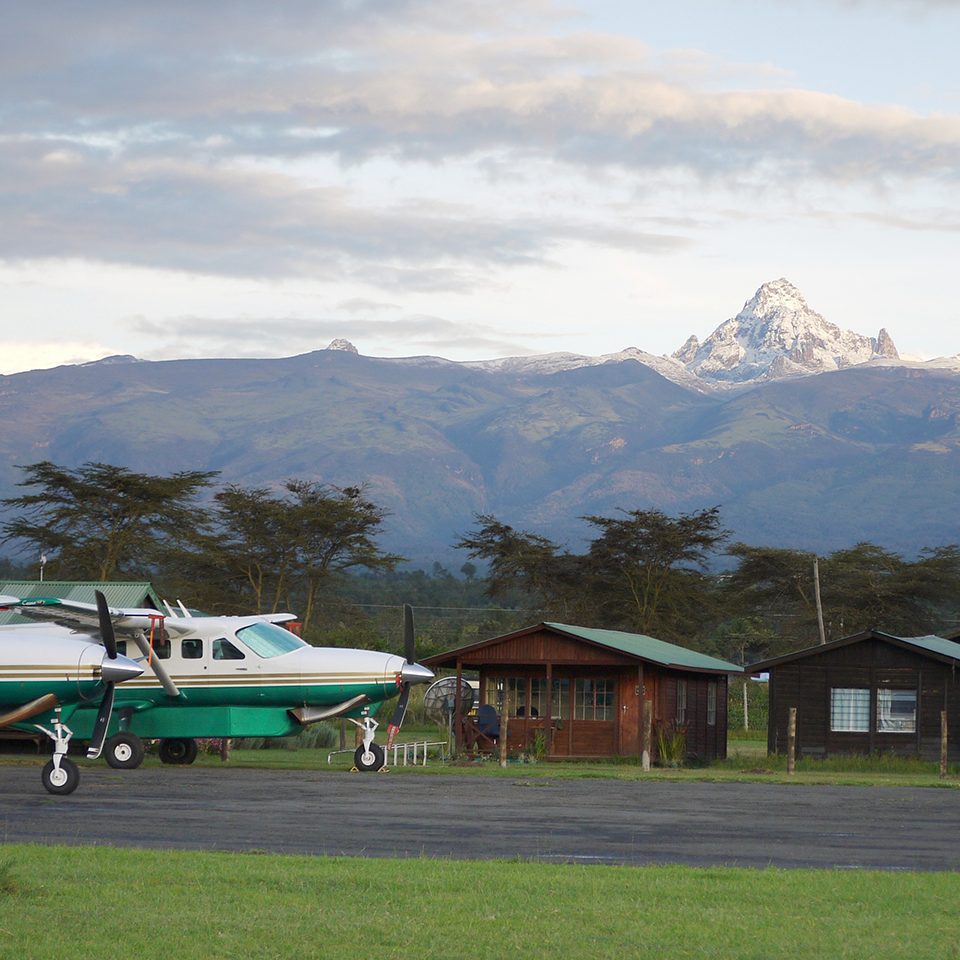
(373, 760)
(124, 751)
(62, 781)
(178, 750)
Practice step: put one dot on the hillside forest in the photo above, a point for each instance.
(313, 549)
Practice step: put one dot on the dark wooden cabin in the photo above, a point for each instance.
(867, 693)
(579, 692)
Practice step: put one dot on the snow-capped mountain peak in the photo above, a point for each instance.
(775, 335)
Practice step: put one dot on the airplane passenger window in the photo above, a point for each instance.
(191, 649)
(122, 647)
(161, 648)
(225, 650)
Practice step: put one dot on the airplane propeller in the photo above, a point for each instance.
(409, 652)
(111, 674)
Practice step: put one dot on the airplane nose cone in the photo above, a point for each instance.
(120, 669)
(416, 673)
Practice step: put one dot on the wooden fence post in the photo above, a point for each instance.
(943, 744)
(647, 733)
(792, 742)
(503, 734)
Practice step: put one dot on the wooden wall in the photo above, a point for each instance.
(871, 663)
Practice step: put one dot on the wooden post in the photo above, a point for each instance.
(943, 744)
(647, 733)
(816, 594)
(503, 727)
(792, 742)
(746, 715)
(224, 749)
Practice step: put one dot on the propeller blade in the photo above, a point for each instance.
(408, 646)
(399, 713)
(106, 626)
(102, 722)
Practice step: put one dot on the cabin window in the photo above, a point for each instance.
(711, 703)
(849, 710)
(896, 711)
(681, 701)
(561, 698)
(161, 648)
(224, 650)
(122, 647)
(517, 696)
(538, 697)
(593, 699)
(269, 640)
(191, 649)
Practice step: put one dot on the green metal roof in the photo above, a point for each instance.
(649, 648)
(934, 644)
(130, 593)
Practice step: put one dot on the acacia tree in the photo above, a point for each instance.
(334, 532)
(287, 548)
(254, 542)
(642, 572)
(97, 521)
(646, 569)
(862, 587)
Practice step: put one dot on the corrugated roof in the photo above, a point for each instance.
(649, 648)
(122, 593)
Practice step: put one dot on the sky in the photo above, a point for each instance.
(469, 179)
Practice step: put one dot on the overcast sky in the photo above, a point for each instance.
(470, 179)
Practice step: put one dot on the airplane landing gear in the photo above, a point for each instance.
(369, 756)
(60, 778)
(60, 775)
(124, 751)
(178, 750)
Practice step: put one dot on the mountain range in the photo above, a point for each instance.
(806, 435)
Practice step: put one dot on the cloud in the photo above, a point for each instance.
(181, 136)
(253, 336)
(62, 201)
(18, 355)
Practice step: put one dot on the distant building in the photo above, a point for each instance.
(580, 691)
(129, 593)
(868, 693)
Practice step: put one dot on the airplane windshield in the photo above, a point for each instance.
(269, 640)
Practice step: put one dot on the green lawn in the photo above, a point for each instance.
(58, 902)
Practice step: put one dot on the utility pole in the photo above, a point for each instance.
(816, 593)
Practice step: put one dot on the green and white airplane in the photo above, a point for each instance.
(45, 678)
(223, 677)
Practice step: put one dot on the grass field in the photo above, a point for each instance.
(747, 762)
(58, 902)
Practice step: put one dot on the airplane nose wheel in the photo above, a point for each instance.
(371, 758)
(60, 779)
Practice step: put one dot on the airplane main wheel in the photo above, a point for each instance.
(124, 751)
(63, 780)
(373, 759)
(179, 750)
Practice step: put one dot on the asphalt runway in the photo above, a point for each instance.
(582, 821)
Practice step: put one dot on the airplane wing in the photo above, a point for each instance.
(83, 617)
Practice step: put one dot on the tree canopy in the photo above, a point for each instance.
(99, 521)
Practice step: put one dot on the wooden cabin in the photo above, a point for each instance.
(868, 693)
(576, 692)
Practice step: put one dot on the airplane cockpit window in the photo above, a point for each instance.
(225, 650)
(269, 640)
(191, 649)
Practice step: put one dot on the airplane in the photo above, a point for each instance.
(232, 677)
(45, 678)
